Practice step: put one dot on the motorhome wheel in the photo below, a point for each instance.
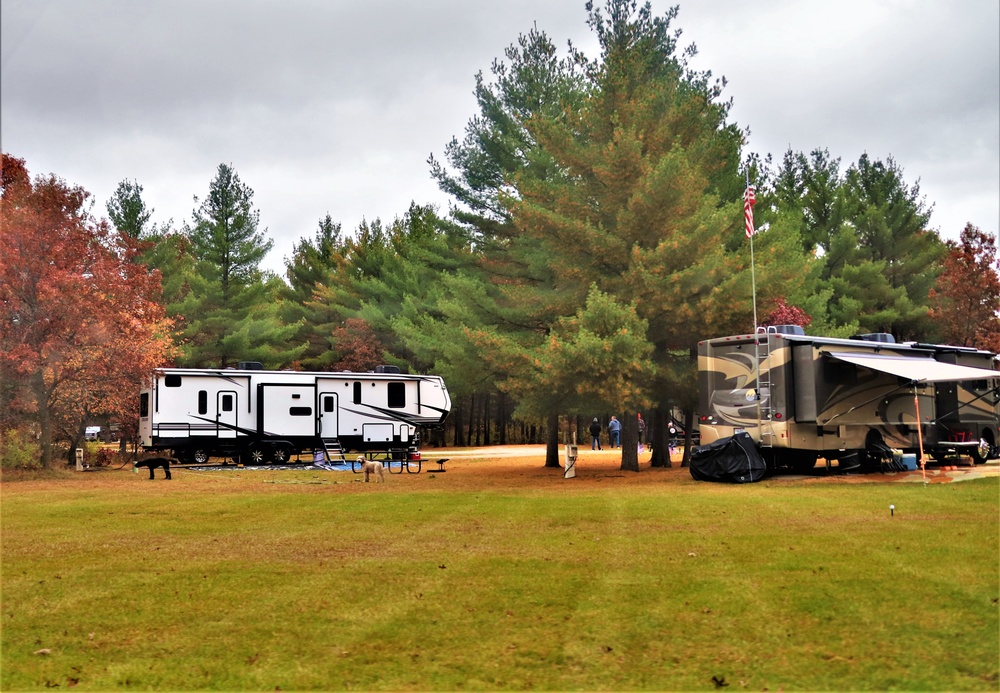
(280, 454)
(981, 452)
(199, 456)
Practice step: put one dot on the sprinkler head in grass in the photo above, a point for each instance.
(892, 510)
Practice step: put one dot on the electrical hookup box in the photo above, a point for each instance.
(571, 453)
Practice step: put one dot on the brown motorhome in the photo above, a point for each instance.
(853, 400)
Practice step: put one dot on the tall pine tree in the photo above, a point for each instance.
(232, 311)
(643, 200)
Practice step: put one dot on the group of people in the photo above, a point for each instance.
(614, 432)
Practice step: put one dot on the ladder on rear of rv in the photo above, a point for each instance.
(334, 451)
(762, 354)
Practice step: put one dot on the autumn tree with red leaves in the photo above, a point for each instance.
(966, 300)
(80, 321)
(784, 314)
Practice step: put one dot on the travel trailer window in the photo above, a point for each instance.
(397, 395)
(144, 405)
(357, 393)
(328, 404)
(300, 411)
(227, 402)
(202, 401)
(172, 380)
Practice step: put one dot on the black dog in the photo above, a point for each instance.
(154, 463)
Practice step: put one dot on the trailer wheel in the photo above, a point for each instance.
(280, 454)
(199, 456)
(256, 454)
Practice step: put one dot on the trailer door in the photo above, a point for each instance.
(327, 415)
(225, 414)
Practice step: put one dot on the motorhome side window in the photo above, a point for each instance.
(227, 402)
(202, 401)
(144, 405)
(172, 380)
(397, 395)
(357, 393)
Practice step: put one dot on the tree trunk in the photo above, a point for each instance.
(472, 416)
(657, 435)
(487, 425)
(630, 442)
(502, 417)
(552, 446)
(459, 440)
(44, 420)
(688, 429)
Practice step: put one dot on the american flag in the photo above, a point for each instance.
(748, 202)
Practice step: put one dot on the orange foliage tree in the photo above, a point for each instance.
(966, 300)
(80, 319)
(358, 347)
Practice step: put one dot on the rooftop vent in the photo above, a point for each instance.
(786, 329)
(250, 366)
(387, 369)
(883, 337)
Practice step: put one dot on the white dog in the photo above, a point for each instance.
(371, 467)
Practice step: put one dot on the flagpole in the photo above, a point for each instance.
(748, 202)
(753, 282)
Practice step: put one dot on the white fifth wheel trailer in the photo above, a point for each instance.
(259, 416)
(801, 397)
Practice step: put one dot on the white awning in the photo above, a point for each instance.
(916, 369)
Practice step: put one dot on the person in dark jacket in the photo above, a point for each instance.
(595, 435)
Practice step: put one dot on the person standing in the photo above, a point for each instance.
(642, 429)
(595, 435)
(615, 429)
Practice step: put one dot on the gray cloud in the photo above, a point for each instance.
(335, 106)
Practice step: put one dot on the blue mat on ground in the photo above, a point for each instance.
(346, 467)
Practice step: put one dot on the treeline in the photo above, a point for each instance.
(596, 234)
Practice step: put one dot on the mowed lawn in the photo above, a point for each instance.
(294, 580)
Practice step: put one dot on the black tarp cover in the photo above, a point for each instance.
(733, 460)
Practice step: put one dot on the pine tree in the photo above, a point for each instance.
(232, 311)
(312, 262)
(225, 238)
(127, 210)
(646, 204)
(868, 230)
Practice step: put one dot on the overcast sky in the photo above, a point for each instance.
(335, 105)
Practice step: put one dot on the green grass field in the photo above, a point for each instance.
(276, 581)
